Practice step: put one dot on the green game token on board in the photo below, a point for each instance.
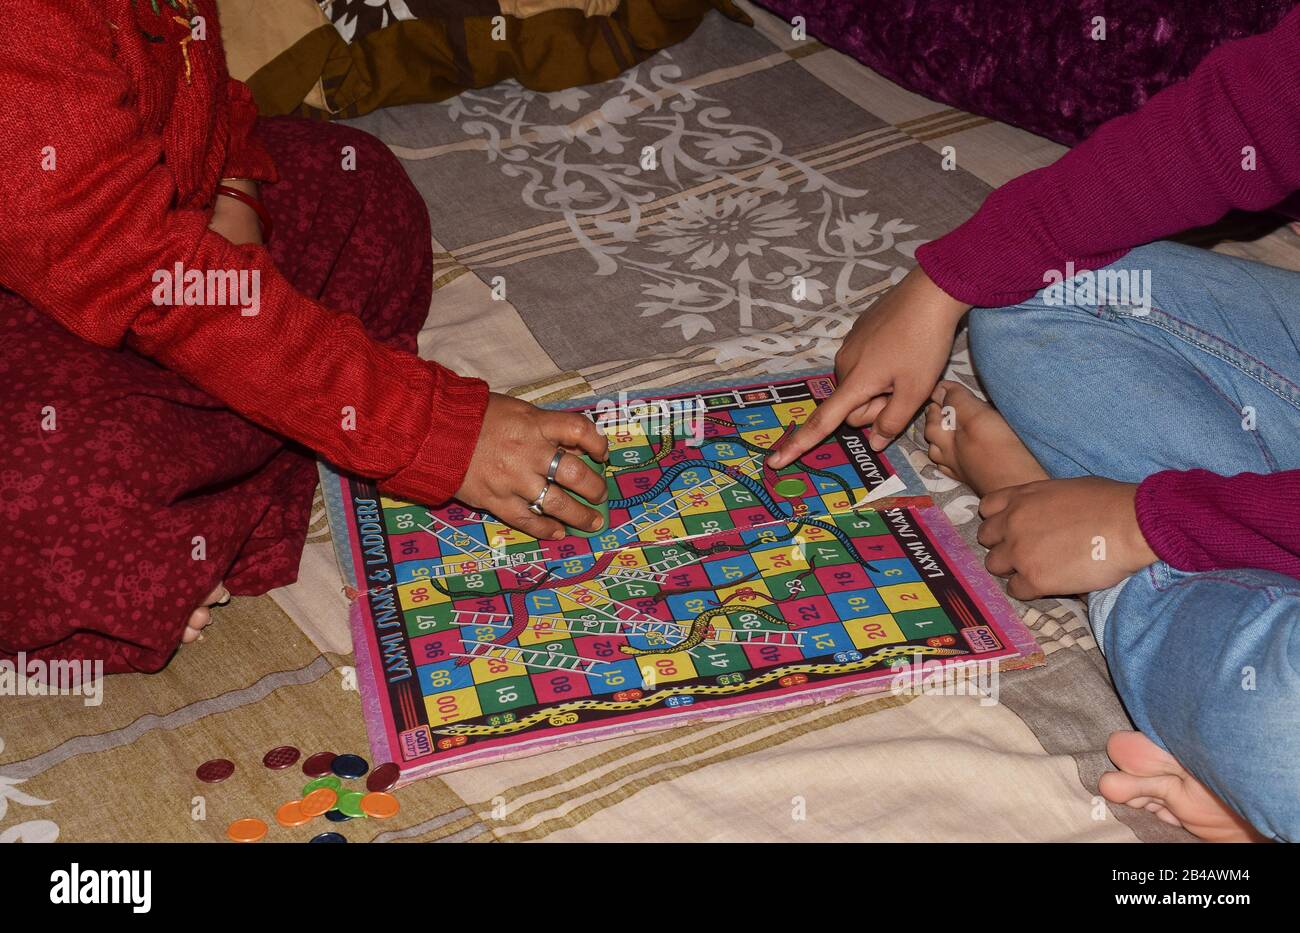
(350, 804)
(603, 508)
(790, 487)
(329, 781)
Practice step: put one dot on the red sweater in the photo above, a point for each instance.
(112, 154)
(1173, 165)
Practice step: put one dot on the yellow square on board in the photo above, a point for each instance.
(499, 535)
(793, 412)
(904, 596)
(393, 503)
(873, 632)
(627, 435)
(707, 500)
(540, 631)
(762, 437)
(419, 594)
(837, 501)
(487, 669)
(811, 534)
(779, 560)
(660, 669)
(583, 596)
(665, 530)
(719, 623)
(631, 558)
(452, 706)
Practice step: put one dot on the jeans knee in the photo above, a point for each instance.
(993, 336)
(1006, 344)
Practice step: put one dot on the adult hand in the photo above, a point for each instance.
(508, 469)
(1063, 536)
(887, 366)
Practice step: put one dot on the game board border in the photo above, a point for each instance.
(963, 563)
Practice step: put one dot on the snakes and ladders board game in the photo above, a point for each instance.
(717, 587)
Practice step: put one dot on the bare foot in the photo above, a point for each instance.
(1149, 778)
(973, 444)
(201, 616)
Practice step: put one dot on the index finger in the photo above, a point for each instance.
(828, 416)
(566, 429)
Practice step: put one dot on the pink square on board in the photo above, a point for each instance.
(558, 686)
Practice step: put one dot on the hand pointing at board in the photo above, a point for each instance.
(887, 367)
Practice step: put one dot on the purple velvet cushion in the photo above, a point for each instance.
(1033, 63)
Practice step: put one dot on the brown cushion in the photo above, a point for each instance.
(297, 61)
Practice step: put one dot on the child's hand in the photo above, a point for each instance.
(887, 367)
(508, 469)
(1059, 537)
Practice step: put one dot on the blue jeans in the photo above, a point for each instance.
(1207, 664)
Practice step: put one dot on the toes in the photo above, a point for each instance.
(1136, 754)
(1128, 789)
(202, 616)
(951, 392)
(194, 625)
(1161, 812)
(1139, 792)
(218, 597)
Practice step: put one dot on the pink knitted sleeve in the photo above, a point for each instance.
(1197, 520)
(1181, 161)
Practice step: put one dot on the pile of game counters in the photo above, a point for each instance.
(324, 794)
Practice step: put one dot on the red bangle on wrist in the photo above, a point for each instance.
(263, 218)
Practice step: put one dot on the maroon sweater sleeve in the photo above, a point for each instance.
(1197, 520)
(1175, 164)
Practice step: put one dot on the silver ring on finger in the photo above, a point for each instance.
(554, 468)
(536, 505)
